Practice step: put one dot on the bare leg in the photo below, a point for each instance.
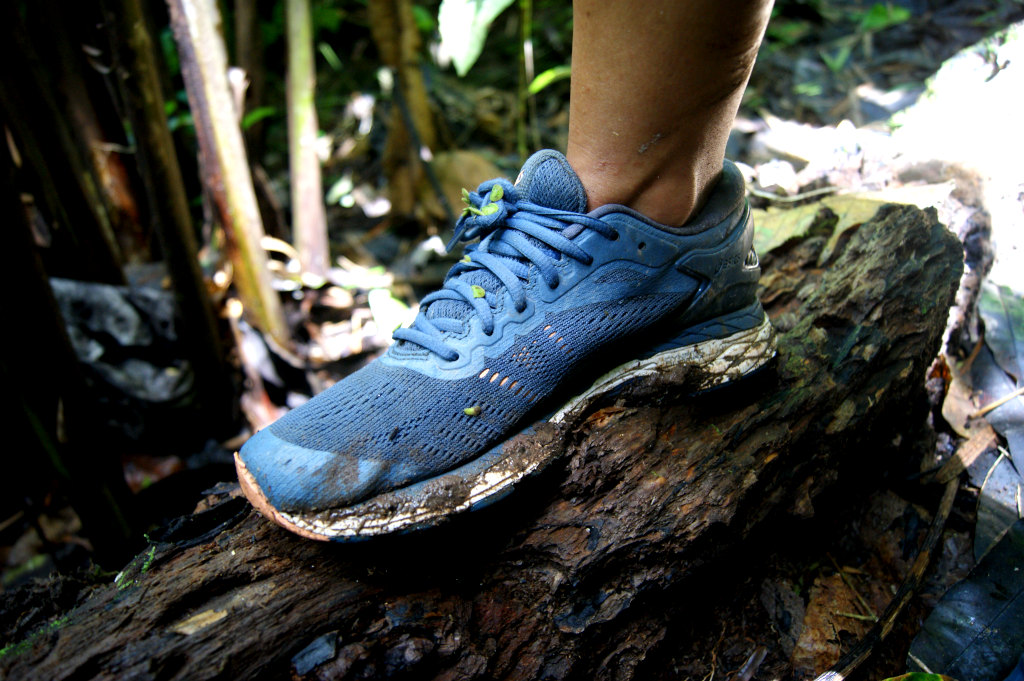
(655, 88)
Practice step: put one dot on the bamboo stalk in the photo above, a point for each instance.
(309, 218)
(196, 25)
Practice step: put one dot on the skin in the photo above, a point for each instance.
(656, 85)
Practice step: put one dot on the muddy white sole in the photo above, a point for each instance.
(491, 476)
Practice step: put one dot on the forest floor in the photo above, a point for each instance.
(829, 116)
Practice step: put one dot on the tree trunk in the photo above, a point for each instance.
(40, 102)
(140, 83)
(579, 573)
(196, 25)
(395, 33)
(309, 216)
(50, 414)
(249, 56)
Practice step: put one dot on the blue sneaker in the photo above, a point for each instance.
(547, 296)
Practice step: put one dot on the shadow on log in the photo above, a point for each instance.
(580, 572)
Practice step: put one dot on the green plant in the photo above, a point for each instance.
(879, 17)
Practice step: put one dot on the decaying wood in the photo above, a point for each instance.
(580, 572)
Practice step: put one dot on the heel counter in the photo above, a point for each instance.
(728, 272)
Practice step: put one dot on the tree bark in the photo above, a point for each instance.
(196, 25)
(579, 573)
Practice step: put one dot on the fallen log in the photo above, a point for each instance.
(568, 577)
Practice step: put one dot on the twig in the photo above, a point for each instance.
(10, 521)
(965, 454)
(919, 663)
(855, 616)
(750, 667)
(965, 367)
(998, 403)
(999, 459)
(791, 199)
(849, 662)
(714, 656)
(849, 583)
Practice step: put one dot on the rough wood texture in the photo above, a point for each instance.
(578, 574)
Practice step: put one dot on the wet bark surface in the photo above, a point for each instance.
(582, 570)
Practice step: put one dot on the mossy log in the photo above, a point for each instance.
(580, 572)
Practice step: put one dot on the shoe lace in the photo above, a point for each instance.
(513, 234)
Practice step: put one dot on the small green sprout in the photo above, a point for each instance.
(497, 193)
(478, 291)
(472, 411)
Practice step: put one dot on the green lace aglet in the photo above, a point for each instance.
(478, 291)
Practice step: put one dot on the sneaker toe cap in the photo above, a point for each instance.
(296, 479)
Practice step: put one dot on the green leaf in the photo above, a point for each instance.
(808, 89)
(489, 209)
(880, 17)
(330, 56)
(478, 291)
(788, 32)
(463, 27)
(836, 63)
(425, 21)
(256, 115)
(548, 77)
(497, 193)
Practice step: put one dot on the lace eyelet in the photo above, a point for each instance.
(615, 235)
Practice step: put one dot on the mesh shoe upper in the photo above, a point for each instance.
(546, 294)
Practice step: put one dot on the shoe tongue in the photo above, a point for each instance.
(547, 179)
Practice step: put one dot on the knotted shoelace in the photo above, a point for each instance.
(513, 234)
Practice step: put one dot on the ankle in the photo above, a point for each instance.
(668, 195)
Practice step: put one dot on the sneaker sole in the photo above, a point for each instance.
(492, 476)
